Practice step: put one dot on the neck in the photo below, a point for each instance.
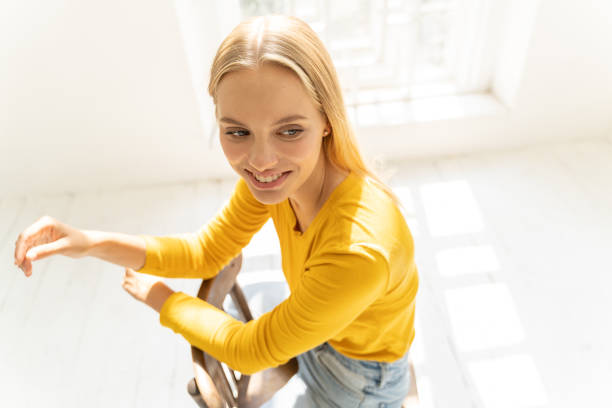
(307, 202)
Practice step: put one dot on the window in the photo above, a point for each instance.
(384, 50)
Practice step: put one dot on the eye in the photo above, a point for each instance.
(291, 132)
(237, 133)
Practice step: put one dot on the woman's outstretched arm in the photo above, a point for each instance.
(48, 236)
(189, 255)
(118, 248)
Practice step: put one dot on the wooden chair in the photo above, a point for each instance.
(217, 386)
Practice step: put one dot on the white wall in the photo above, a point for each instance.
(100, 95)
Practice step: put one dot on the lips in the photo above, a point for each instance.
(267, 181)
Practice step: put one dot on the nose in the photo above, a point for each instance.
(262, 155)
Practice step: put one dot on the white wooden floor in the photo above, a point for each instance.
(514, 256)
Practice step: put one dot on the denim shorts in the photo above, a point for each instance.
(335, 381)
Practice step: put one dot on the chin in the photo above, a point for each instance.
(268, 197)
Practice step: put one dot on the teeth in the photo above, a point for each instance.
(267, 179)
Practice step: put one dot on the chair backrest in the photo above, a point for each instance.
(218, 385)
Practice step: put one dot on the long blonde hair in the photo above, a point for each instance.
(290, 42)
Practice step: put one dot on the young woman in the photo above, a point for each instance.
(347, 253)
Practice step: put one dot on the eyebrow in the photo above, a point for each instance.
(286, 119)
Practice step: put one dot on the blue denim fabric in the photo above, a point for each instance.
(336, 381)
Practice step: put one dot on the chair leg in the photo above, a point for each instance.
(192, 389)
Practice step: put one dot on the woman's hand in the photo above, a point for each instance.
(149, 290)
(46, 237)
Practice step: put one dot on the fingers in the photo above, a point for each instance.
(45, 250)
(40, 252)
(18, 244)
(125, 278)
(27, 237)
(130, 284)
(128, 277)
(26, 267)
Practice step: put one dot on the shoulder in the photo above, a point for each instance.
(365, 208)
(365, 215)
(363, 193)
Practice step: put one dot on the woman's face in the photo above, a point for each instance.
(271, 132)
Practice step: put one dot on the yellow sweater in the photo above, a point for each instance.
(352, 278)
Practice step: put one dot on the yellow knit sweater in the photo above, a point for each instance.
(352, 278)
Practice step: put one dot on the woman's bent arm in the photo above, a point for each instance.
(118, 248)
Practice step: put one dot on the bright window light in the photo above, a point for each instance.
(384, 50)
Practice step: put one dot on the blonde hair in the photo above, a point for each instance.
(290, 42)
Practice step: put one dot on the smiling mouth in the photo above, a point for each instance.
(267, 181)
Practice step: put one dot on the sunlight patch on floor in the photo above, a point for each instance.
(467, 260)
(509, 382)
(483, 317)
(451, 209)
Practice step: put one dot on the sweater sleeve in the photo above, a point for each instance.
(335, 288)
(204, 253)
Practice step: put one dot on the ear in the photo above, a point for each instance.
(327, 130)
